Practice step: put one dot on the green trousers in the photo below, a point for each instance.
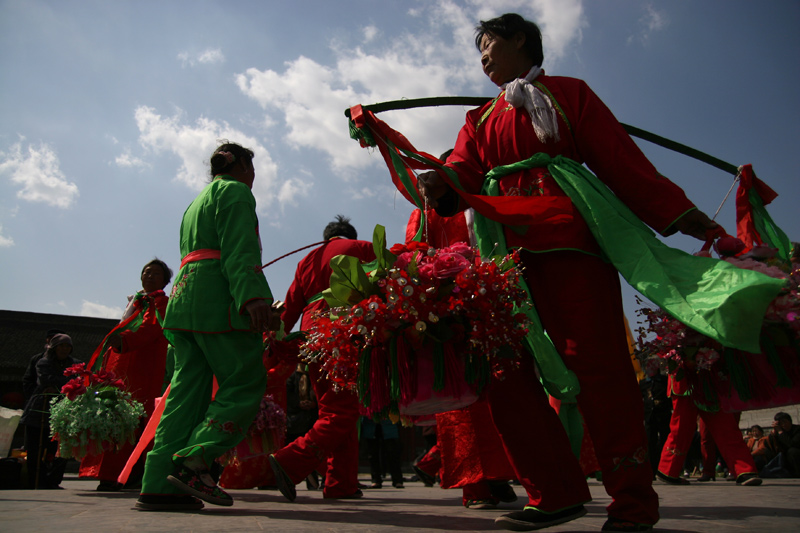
(194, 426)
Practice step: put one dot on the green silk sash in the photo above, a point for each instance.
(711, 296)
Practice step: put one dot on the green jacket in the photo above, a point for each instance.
(209, 295)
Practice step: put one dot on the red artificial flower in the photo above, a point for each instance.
(73, 388)
(76, 370)
(398, 249)
(727, 246)
(422, 246)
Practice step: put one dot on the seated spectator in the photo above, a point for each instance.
(785, 440)
(757, 444)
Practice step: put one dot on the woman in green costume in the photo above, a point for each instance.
(219, 307)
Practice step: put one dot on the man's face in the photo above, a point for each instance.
(784, 424)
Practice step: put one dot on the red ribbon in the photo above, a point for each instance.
(199, 255)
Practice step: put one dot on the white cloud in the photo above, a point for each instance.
(194, 143)
(100, 310)
(37, 171)
(370, 32)
(209, 56)
(652, 21)
(5, 242)
(439, 58)
(127, 160)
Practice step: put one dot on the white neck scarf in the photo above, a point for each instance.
(520, 92)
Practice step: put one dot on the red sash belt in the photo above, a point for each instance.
(199, 255)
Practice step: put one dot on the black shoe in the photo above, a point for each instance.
(376, 486)
(502, 491)
(531, 519)
(192, 482)
(749, 480)
(423, 476)
(615, 524)
(671, 480)
(285, 483)
(168, 502)
(704, 478)
(312, 481)
(109, 486)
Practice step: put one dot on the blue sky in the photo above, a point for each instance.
(110, 111)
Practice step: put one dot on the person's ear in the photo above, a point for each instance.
(519, 40)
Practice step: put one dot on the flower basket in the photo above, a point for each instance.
(419, 330)
(96, 414)
(265, 435)
(722, 378)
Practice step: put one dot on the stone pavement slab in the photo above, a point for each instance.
(699, 507)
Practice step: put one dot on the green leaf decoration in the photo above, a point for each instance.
(349, 283)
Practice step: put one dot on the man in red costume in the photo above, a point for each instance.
(722, 427)
(334, 437)
(576, 293)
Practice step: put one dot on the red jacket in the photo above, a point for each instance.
(593, 136)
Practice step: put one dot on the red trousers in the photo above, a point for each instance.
(333, 438)
(579, 302)
(709, 448)
(431, 462)
(723, 428)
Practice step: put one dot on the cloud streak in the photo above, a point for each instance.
(437, 58)
(193, 145)
(99, 310)
(37, 171)
(209, 56)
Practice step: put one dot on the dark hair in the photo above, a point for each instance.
(508, 25)
(164, 267)
(783, 416)
(340, 227)
(221, 163)
(756, 426)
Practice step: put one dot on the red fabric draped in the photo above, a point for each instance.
(745, 223)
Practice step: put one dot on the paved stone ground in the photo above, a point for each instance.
(707, 507)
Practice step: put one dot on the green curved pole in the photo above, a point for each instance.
(480, 100)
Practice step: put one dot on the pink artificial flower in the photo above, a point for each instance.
(403, 260)
(761, 252)
(446, 265)
(426, 271)
(462, 249)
